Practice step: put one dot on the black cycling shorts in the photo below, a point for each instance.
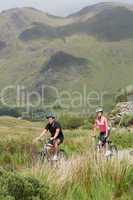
(102, 137)
(61, 138)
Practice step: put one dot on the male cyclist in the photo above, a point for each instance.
(57, 136)
(101, 123)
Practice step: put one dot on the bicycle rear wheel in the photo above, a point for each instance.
(114, 150)
(131, 153)
(62, 155)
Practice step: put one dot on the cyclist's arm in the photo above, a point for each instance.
(56, 134)
(42, 134)
(106, 124)
(94, 129)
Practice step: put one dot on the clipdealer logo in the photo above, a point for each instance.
(65, 99)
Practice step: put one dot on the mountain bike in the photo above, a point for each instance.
(110, 151)
(46, 154)
(131, 153)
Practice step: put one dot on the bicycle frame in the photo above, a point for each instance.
(48, 150)
(46, 154)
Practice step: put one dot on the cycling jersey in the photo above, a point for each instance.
(102, 124)
(53, 127)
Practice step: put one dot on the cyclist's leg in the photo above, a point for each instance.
(100, 143)
(107, 141)
(103, 143)
(105, 146)
(107, 151)
(50, 148)
(57, 143)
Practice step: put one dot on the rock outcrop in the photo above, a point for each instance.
(125, 107)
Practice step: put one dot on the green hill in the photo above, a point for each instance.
(94, 9)
(112, 24)
(91, 49)
(62, 68)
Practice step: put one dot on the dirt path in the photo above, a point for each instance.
(126, 154)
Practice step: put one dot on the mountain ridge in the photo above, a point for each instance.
(95, 7)
(30, 40)
(102, 5)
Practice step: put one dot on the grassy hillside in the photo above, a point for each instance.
(103, 25)
(16, 140)
(101, 43)
(94, 9)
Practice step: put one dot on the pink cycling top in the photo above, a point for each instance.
(102, 124)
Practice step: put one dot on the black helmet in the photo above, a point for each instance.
(50, 115)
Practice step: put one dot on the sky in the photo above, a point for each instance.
(54, 7)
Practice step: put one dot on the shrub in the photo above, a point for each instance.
(14, 152)
(127, 120)
(71, 121)
(88, 122)
(122, 140)
(9, 111)
(16, 187)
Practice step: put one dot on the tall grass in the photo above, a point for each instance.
(87, 177)
(84, 176)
